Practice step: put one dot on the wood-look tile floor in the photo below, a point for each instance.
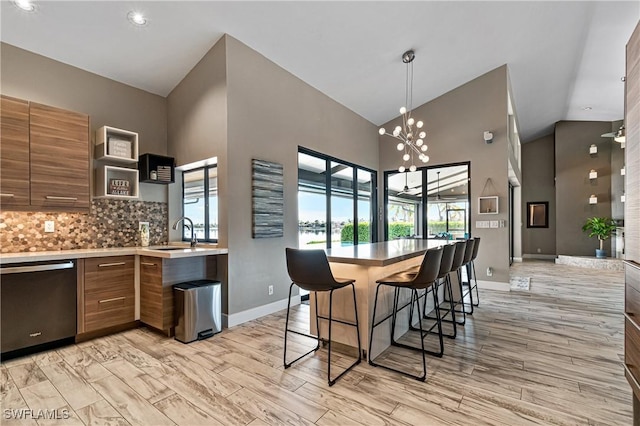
(552, 355)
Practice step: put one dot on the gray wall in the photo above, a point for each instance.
(197, 128)
(237, 105)
(538, 184)
(270, 113)
(36, 78)
(573, 186)
(455, 123)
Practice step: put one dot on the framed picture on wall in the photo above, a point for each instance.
(488, 205)
(537, 214)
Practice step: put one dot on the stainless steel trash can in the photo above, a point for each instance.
(197, 310)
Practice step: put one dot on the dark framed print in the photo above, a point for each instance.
(537, 214)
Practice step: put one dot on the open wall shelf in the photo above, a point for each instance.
(116, 145)
(116, 182)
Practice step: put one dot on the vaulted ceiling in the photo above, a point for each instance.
(566, 59)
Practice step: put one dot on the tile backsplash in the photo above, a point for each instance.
(110, 223)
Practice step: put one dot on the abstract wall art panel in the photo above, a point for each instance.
(267, 192)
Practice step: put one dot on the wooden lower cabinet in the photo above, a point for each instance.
(157, 277)
(109, 292)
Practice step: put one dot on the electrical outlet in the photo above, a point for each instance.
(489, 271)
(539, 250)
(270, 290)
(49, 226)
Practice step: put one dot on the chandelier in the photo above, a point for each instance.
(409, 135)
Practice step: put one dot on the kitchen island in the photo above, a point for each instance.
(367, 263)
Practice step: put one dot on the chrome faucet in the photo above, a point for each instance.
(184, 219)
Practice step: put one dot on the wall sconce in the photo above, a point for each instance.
(623, 198)
(623, 171)
(593, 174)
(593, 199)
(488, 137)
(593, 149)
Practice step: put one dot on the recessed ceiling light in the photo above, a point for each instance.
(137, 18)
(587, 108)
(26, 5)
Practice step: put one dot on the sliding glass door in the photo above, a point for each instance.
(336, 202)
(432, 202)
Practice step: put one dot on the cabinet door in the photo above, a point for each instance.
(14, 152)
(59, 157)
(152, 294)
(109, 293)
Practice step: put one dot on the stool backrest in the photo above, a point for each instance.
(458, 256)
(476, 246)
(468, 251)
(429, 268)
(309, 269)
(447, 259)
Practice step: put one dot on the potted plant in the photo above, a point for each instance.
(601, 227)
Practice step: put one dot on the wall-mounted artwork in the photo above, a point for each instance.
(538, 214)
(267, 192)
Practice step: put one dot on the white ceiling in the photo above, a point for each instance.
(562, 56)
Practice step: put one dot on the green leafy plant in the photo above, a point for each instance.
(601, 227)
(346, 235)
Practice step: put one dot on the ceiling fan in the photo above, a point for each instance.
(438, 196)
(618, 135)
(406, 189)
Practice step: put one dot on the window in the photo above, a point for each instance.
(336, 202)
(200, 203)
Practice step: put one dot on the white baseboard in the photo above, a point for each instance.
(517, 260)
(494, 285)
(540, 256)
(260, 311)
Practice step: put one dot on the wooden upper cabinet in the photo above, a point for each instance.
(14, 152)
(59, 142)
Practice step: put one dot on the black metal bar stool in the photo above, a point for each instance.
(466, 262)
(471, 268)
(309, 270)
(445, 268)
(424, 279)
(458, 258)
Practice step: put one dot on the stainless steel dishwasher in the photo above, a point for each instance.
(38, 305)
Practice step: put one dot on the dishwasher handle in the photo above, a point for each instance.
(36, 268)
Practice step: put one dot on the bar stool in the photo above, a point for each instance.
(472, 268)
(468, 254)
(445, 268)
(458, 258)
(424, 279)
(309, 270)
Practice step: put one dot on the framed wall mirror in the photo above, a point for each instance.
(537, 214)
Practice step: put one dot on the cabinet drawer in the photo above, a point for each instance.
(109, 308)
(102, 273)
(632, 348)
(632, 278)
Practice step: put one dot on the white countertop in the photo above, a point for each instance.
(7, 258)
(384, 253)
